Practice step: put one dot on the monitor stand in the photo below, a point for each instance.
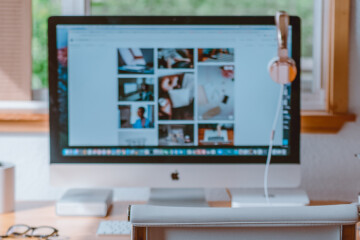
(185, 197)
(280, 197)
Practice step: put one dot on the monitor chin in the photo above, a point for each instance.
(174, 175)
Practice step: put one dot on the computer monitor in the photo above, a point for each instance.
(170, 102)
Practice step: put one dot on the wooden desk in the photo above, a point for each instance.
(78, 228)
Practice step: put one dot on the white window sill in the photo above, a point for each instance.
(27, 106)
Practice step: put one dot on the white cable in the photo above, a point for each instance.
(272, 136)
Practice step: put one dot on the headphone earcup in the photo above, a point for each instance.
(282, 71)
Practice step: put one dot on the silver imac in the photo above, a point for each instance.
(170, 102)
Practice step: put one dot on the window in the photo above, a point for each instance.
(325, 26)
(41, 10)
(304, 9)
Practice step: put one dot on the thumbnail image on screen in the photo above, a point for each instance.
(176, 96)
(176, 135)
(175, 58)
(136, 116)
(136, 89)
(216, 86)
(213, 55)
(216, 134)
(136, 60)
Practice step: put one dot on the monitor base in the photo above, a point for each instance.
(185, 197)
(277, 196)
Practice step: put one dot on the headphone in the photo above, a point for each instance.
(282, 68)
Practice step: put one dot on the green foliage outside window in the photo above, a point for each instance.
(42, 9)
(302, 8)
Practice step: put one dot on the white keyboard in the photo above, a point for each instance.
(108, 227)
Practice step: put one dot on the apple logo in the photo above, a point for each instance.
(175, 176)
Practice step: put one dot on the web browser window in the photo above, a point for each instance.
(177, 90)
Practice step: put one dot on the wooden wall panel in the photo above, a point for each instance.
(15, 49)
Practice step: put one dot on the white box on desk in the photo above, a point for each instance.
(85, 202)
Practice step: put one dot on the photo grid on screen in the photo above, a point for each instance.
(175, 96)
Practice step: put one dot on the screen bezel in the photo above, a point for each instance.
(55, 151)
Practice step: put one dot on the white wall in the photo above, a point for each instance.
(330, 170)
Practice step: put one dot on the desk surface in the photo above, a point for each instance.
(43, 213)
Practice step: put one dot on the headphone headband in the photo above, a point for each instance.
(282, 69)
(282, 26)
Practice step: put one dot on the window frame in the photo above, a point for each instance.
(315, 100)
(333, 60)
(334, 71)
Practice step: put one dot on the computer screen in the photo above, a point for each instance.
(169, 92)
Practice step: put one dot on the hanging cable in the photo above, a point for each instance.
(272, 136)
